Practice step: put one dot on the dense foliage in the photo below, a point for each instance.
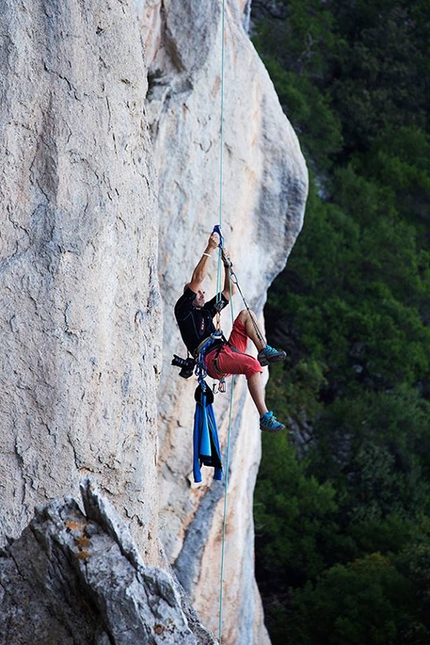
(342, 507)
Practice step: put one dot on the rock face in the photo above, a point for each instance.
(80, 308)
(110, 184)
(264, 186)
(76, 578)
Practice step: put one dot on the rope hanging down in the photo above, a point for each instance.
(221, 148)
(222, 259)
(227, 474)
(227, 468)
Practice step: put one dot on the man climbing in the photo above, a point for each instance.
(195, 319)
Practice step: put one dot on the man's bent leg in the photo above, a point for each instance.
(233, 362)
(266, 353)
(250, 330)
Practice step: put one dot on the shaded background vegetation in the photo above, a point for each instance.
(342, 505)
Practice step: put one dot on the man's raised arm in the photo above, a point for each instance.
(201, 269)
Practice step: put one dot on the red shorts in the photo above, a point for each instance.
(233, 360)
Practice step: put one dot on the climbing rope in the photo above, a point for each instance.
(232, 280)
(219, 278)
(235, 281)
(226, 480)
(222, 259)
(221, 152)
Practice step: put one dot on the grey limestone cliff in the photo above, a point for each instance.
(110, 115)
(80, 307)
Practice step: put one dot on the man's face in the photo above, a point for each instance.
(199, 300)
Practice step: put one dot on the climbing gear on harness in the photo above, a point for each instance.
(221, 386)
(270, 355)
(269, 423)
(205, 435)
(214, 342)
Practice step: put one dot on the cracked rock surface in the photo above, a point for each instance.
(76, 578)
(80, 321)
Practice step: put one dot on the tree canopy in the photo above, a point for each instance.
(342, 504)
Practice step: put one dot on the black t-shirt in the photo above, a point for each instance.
(196, 324)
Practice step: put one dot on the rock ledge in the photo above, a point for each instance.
(75, 577)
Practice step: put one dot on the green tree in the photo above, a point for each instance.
(293, 513)
(343, 507)
(366, 602)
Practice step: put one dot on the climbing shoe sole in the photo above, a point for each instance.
(276, 358)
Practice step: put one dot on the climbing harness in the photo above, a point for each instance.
(215, 342)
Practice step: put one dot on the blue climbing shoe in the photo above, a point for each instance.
(271, 355)
(268, 423)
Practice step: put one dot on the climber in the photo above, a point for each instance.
(195, 320)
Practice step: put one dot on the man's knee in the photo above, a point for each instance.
(244, 315)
